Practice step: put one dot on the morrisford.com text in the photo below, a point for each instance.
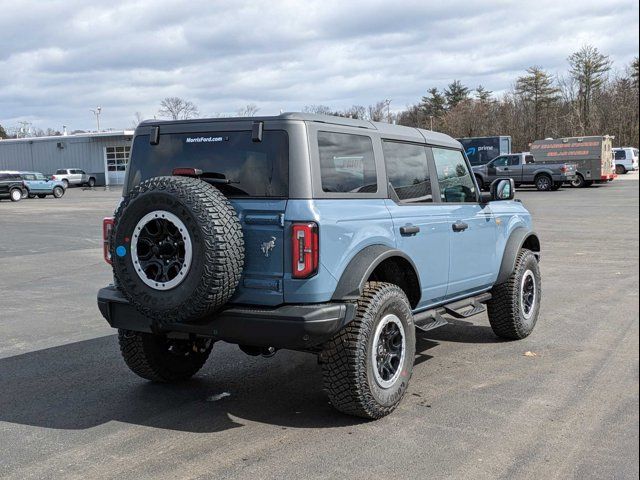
(203, 139)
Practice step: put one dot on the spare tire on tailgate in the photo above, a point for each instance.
(177, 249)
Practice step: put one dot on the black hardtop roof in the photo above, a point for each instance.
(418, 134)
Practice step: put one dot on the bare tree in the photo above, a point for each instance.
(356, 111)
(137, 120)
(589, 68)
(177, 108)
(319, 110)
(248, 110)
(378, 111)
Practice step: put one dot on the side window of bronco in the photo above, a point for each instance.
(408, 171)
(454, 177)
(347, 163)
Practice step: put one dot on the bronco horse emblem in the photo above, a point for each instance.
(266, 247)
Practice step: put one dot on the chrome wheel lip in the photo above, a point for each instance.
(528, 294)
(181, 227)
(386, 320)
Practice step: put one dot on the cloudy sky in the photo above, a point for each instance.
(58, 59)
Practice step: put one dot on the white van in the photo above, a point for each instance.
(626, 159)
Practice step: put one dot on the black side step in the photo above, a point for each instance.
(468, 307)
(430, 319)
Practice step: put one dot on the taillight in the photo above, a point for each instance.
(304, 249)
(107, 228)
(564, 169)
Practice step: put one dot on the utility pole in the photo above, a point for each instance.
(97, 112)
(25, 129)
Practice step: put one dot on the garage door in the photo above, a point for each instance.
(117, 159)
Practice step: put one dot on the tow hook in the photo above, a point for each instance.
(266, 352)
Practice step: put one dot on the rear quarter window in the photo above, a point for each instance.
(347, 163)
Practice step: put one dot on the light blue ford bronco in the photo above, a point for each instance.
(328, 235)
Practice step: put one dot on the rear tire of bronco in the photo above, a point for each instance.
(177, 249)
(515, 304)
(161, 359)
(367, 365)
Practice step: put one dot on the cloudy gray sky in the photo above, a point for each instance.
(58, 59)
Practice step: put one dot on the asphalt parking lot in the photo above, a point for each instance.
(477, 407)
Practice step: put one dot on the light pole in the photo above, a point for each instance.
(97, 112)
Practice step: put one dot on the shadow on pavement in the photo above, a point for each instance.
(461, 331)
(86, 384)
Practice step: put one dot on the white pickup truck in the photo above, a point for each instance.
(74, 176)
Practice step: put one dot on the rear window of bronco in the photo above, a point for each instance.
(253, 169)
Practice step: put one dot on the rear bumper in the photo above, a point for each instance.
(288, 326)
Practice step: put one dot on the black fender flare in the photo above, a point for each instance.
(517, 239)
(355, 275)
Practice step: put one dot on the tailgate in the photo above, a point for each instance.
(263, 228)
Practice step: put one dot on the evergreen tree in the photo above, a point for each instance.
(434, 104)
(537, 89)
(456, 93)
(482, 94)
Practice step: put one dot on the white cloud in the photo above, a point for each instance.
(61, 58)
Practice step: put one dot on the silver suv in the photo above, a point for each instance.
(74, 176)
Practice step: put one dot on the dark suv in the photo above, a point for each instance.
(332, 236)
(12, 186)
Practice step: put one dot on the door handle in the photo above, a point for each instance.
(409, 230)
(459, 226)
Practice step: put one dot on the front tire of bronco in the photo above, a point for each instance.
(367, 365)
(161, 359)
(515, 304)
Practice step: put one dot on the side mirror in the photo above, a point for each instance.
(503, 189)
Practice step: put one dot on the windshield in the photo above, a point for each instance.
(256, 169)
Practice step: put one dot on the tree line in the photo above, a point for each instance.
(587, 100)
